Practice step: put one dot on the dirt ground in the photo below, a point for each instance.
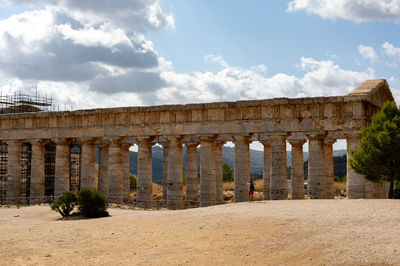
(307, 232)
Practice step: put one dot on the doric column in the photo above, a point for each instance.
(207, 171)
(192, 174)
(316, 165)
(115, 172)
(37, 172)
(89, 178)
(297, 169)
(242, 167)
(165, 171)
(144, 172)
(175, 173)
(126, 170)
(329, 182)
(219, 178)
(103, 168)
(14, 172)
(267, 170)
(62, 171)
(355, 182)
(279, 184)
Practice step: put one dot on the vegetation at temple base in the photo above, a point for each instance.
(65, 204)
(379, 157)
(133, 179)
(92, 203)
(227, 172)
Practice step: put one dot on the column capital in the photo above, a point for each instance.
(353, 135)
(89, 140)
(242, 138)
(329, 142)
(297, 142)
(61, 141)
(143, 139)
(16, 141)
(316, 135)
(39, 141)
(191, 144)
(175, 137)
(278, 137)
(207, 138)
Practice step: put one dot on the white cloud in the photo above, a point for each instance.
(355, 10)
(391, 50)
(368, 53)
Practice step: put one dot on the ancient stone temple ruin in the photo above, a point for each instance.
(49, 149)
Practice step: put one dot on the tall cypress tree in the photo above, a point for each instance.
(379, 157)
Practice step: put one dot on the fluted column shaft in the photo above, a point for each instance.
(125, 166)
(207, 171)
(329, 182)
(37, 173)
(316, 166)
(297, 169)
(62, 171)
(267, 170)
(165, 171)
(191, 173)
(89, 178)
(115, 173)
(355, 182)
(242, 167)
(145, 173)
(175, 174)
(14, 173)
(103, 169)
(219, 178)
(279, 184)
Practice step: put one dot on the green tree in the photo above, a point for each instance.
(65, 204)
(227, 172)
(133, 184)
(92, 203)
(379, 157)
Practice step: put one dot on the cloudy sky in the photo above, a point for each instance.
(147, 52)
(105, 53)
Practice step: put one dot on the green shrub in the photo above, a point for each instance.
(396, 193)
(92, 203)
(133, 179)
(65, 204)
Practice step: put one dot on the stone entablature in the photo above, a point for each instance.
(333, 114)
(320, 120)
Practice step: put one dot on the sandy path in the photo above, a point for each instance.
(317, 232)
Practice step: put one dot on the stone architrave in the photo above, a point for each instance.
(219, 177)
(175, 193)
(316, 165)
(37, 173)
(329, 182)
(192, 174)
(103, 168)
(297, 169)
(267, 170)
(62, 167)
(279, 183)
(14, 172)
(242, 167)
(115, 172)
(355, 182)
(144, 172)
(89, 173)
(207, 171)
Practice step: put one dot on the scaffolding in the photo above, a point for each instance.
(25, 160)
(3, 172)
(21, 103)
(49, 171)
